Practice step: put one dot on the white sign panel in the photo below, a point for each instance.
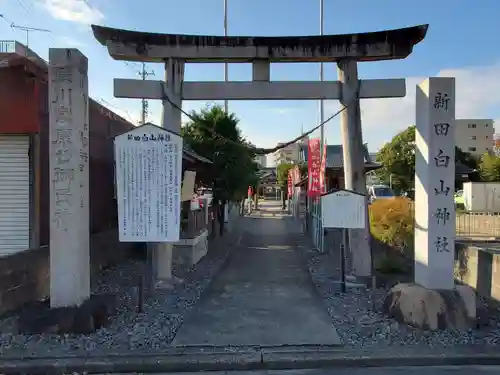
(343, 209)
(148, 179)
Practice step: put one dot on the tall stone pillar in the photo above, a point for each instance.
(171, 120)
(354, 161)
(69, 178)
(435, 183)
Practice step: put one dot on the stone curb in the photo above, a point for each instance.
(251, 360)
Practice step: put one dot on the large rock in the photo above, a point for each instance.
(431, 309)
(93, 314)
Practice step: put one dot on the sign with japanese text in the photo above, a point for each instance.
(343, 209)
(148, 178)
(435, 183)
(69, 145)
(314, 168)
(290, 182)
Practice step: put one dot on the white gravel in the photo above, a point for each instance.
(360, 323)
(129, 331)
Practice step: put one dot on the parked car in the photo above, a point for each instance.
(459, 199)
(379, 192)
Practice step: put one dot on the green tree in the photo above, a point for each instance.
(398, 161)
(214, 134)
(489, 167)
(282, 179)
(466, 158)
(303, 169)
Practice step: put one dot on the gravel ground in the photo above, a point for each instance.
(359, 322)
(129, 331)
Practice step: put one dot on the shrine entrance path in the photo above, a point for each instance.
(264, 295)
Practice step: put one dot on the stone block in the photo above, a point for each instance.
(428, 309)
(93, 314)
(190, 251)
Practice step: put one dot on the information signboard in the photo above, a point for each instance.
(148, 184)
(343, 209)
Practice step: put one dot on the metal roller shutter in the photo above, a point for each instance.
(14, 194)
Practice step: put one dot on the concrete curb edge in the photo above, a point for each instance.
(232, 361)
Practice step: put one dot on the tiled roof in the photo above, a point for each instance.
(335, 156)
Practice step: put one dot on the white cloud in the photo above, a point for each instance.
(477, 96)
(79, 11)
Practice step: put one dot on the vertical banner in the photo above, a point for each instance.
(314, 168)
(296, 176)
(322, 173)
(290, 181)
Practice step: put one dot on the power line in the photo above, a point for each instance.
(5, 19)
(145, 105)
(267, 151)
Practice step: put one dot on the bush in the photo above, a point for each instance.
(391, 224)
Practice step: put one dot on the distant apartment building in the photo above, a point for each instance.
(290, 153)
(261, 160)
(474, 135)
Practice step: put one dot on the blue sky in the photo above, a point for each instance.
(462, 41)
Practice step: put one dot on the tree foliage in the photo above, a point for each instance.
(398, 160)
(489, 167)
(282, 174)
(233, 168)
(303, 169)
(466, 158)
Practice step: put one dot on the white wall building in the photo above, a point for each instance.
(474, 135)
(261, 160)
(290, 153)
(287, 154)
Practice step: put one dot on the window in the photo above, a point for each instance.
(485, 125)
(486, 137)
(383, 192)
(472, 149)
(473, 137)
(471, 126)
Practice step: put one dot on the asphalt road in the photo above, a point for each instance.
(445, 370)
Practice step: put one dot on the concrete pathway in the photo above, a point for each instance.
(264, 295)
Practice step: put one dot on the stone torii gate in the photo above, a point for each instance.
(175, 51)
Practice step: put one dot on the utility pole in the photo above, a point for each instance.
(321, 102)
(27, 30)
(226, 71)
(145, 105)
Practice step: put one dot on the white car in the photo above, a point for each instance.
(379, 192)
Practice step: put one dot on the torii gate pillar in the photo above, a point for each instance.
(354, 163)
(171, 120)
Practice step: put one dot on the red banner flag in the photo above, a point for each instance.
(322, 171)
(314, 188)
(290, 189)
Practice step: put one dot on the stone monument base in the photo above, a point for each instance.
(190, 251)
(168, 283)
(91, 315)
(433, 310)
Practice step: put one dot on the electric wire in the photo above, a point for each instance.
(258, 150)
